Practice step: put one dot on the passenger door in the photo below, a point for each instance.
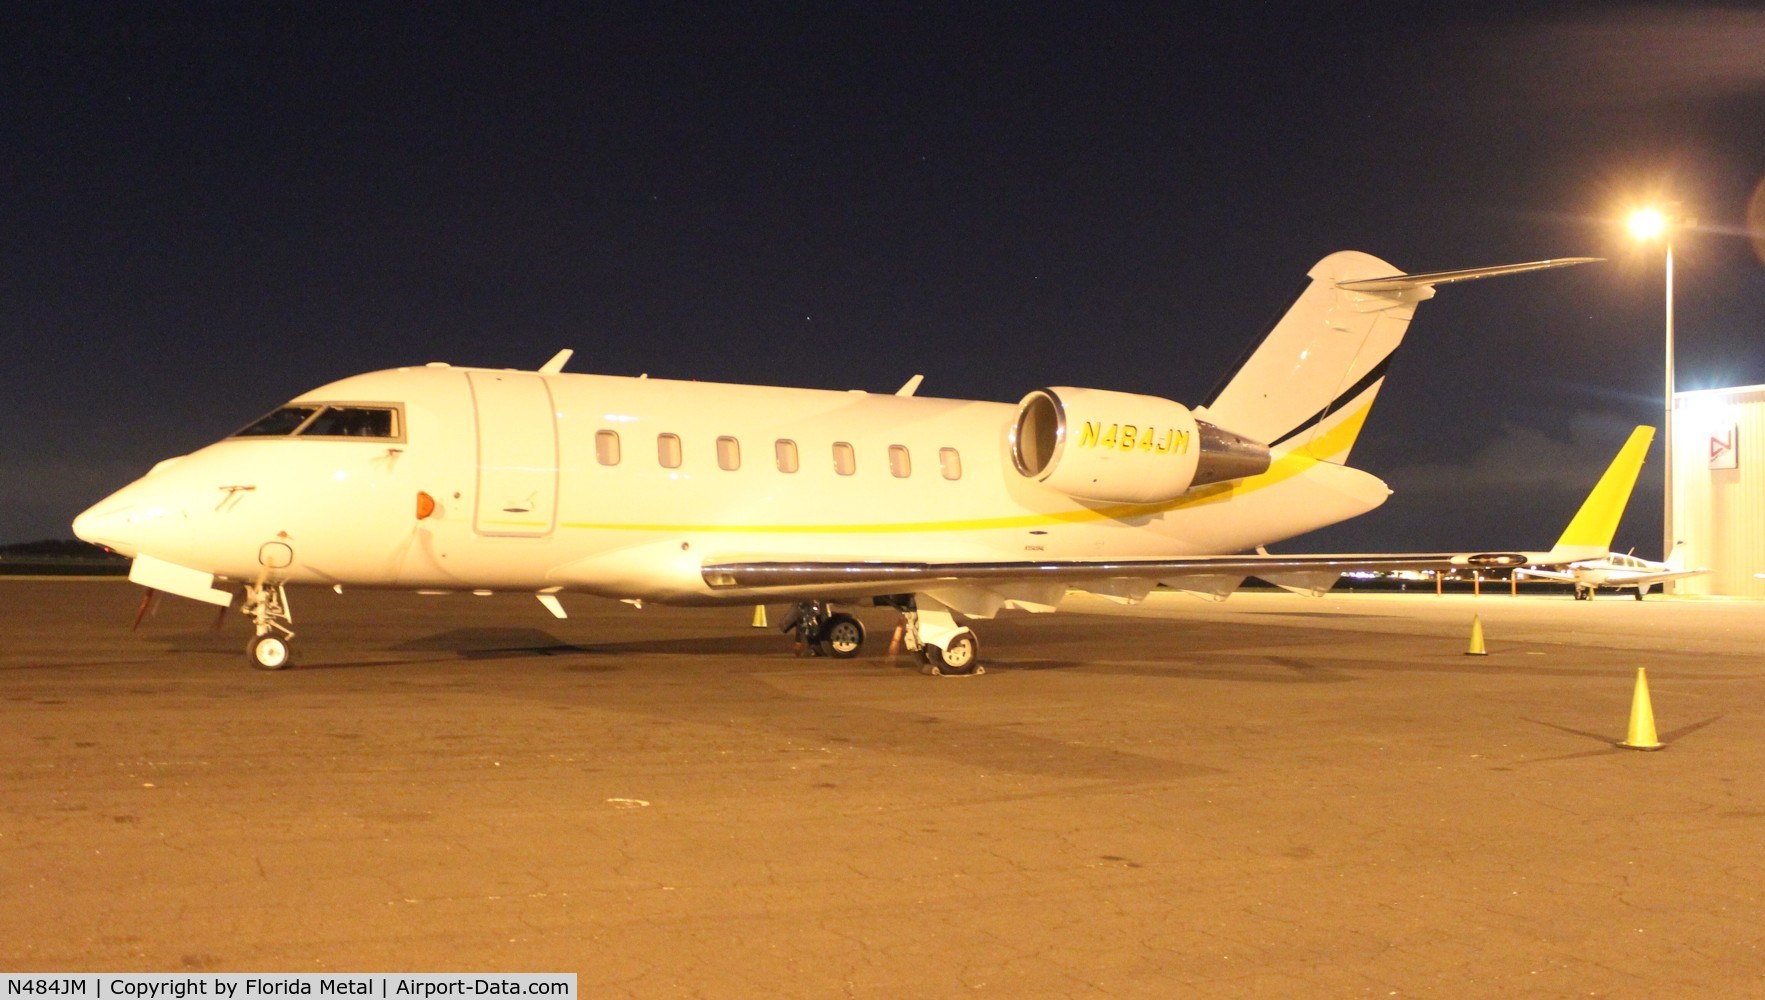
(517, 454)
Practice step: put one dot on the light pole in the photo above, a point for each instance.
(1647, 224)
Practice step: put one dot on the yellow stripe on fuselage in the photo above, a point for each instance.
(1289, 465)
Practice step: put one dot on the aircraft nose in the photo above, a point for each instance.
(107, 523)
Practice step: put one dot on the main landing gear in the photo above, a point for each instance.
(271, 641)
(927, 630)
(821, 632)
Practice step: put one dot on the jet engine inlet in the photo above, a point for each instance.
(1118, 447)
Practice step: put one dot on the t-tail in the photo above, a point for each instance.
(1308, 385)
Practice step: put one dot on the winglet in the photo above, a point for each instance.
(1597, 520)
(556, 364)
(911, 387)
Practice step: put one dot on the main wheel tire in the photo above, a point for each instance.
(843, 636)
(269, 652)
(961, 656)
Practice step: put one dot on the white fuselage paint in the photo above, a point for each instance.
(522, 503)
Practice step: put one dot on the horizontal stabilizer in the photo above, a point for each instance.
(1399, 282)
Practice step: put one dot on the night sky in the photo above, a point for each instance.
(208, 209)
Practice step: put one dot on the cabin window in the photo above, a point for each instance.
(900, 465)
(668, 450)
(784, 452)
(606, 447)
(950, 462)
(729, 454)
(845, 461)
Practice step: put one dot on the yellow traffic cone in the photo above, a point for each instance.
(1476, 638)
(759, 616)
(1642, 717)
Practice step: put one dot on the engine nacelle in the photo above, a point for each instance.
(1119, 447)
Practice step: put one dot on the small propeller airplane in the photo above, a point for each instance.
(1594, 526)
(443, 479)
(1615, 570)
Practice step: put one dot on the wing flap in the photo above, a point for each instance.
(1308, 584)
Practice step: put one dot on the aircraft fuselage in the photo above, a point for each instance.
(625, 487)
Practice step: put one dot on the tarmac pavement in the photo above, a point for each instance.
(1272, 796)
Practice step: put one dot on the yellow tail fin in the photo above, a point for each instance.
(1597, 520)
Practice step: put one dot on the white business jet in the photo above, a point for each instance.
(438, 478)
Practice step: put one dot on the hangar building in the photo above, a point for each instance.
(1719, 488)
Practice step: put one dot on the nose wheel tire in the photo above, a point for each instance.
(844, 636)
(961, 656)
(269, 652)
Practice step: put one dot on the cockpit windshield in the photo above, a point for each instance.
(284, 421)
(332, 420)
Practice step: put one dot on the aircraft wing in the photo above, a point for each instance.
(1559, 576)
(1658, 577)
(979, 589)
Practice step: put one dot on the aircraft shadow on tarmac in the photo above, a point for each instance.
(1238, 653)
(1219, 657)
(1330, 615)
(502, 643)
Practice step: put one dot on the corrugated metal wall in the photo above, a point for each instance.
(1720, 513)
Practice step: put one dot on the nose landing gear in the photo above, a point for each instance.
(270, 646)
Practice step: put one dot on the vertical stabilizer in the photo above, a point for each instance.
(1310, 383)
(1597, 520)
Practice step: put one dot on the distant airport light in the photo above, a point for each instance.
(1651, 224)
(1647, 223)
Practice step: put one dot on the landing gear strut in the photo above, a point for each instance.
(820, 632)
(928, 629)
(271, 642)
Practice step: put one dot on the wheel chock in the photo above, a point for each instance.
(759, 616)
(1476, 648)
(1642, 717)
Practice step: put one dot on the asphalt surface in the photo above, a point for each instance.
(1270, 797)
